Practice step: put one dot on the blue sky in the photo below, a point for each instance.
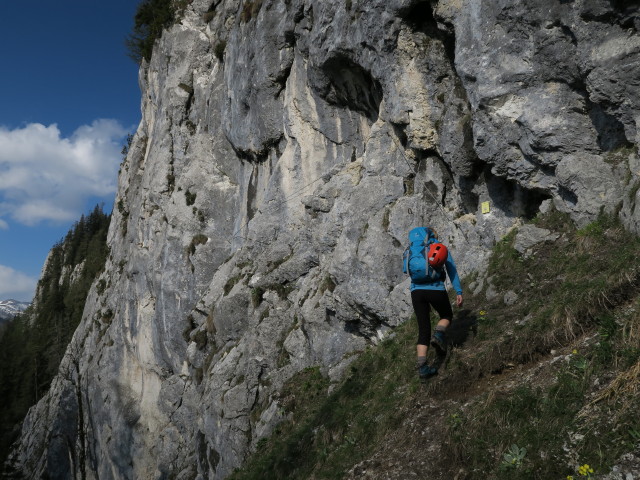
(68, 97)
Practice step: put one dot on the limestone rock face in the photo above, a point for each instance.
(529, 235)
(286, 148)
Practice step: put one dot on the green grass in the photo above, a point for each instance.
(585, 285)
(544, 419)
(580, 284)
(328, 433)
(565, 285)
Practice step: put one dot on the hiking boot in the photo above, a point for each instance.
(439, 342)
(427, 371)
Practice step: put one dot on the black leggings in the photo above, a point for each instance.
(422, 300)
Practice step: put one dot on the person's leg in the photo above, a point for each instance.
(443, 323)
(422, 311)
(441, 327)
(441, 304)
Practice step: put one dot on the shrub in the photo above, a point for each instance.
(190, 197)
(250, 9)
(219, 49)
(152, 16)
(199, 239)
(231, 283)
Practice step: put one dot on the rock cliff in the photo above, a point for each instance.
(285, 148)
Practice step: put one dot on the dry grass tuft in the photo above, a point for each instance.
(626, 384)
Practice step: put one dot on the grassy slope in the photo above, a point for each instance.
(550, 380)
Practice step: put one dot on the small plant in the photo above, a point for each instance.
(232, 282)
(101, 287)
(578, 361)
(250, 9)
(455, 421)
(219, 50)
(633, 192)
(282, 289)
(514, 457)
(208, 16)
(107, 316)
(199, 239)
(409, 186)
(386, 220)
(121, 208)
(179, 6)
(584, 471)
(190, 197)
(256, 296)
(327, 284)
(581, 364)
(126, 147)
(125, 216)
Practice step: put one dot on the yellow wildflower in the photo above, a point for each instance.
(585, 470)
(574, 351)
(483, 313)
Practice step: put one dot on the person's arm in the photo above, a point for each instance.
(452, 271)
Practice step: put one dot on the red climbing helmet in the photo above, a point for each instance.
(437, 254)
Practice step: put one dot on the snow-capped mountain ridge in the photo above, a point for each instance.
(10, 308)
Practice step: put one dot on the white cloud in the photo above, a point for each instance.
(44, 176)
(16, 285)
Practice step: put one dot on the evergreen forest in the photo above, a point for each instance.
(34, 343)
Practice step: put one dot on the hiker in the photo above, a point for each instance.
(428, 262)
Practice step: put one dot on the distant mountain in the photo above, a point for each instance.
(10, 308)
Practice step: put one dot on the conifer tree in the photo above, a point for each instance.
(34, 342)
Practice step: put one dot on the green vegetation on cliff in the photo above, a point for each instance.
(151, 18)
(542, 378)
(33, 344)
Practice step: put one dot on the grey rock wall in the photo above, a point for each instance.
(263, 207)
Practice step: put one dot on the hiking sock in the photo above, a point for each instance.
(421, 361)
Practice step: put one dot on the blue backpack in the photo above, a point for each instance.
(415, 257)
